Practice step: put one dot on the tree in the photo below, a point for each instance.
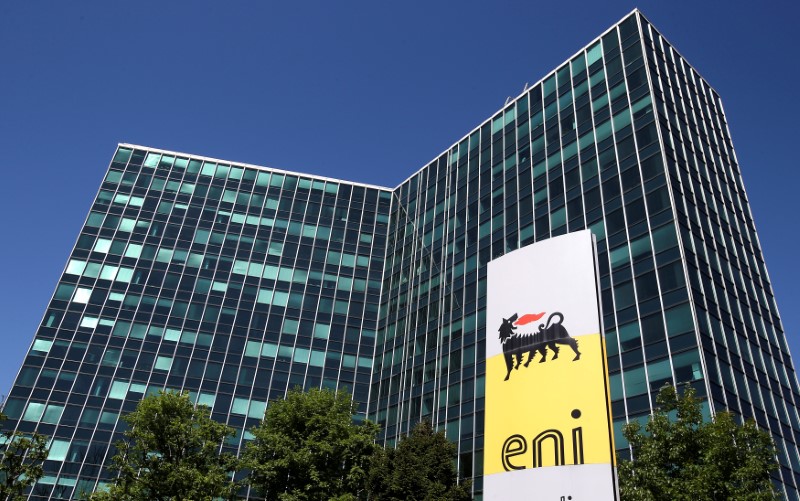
(171, 451)
(21, 461)
(680, 457)
(308, 448)
(420, 468)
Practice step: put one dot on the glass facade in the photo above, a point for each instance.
(232, 282)
(236, 282)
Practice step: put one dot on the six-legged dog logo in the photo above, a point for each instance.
(549, 335)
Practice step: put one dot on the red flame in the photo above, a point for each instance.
(528, 318)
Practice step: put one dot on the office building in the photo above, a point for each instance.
(236, 282)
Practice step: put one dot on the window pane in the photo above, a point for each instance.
(58, 450)
(33, 412)
(119, 389)
(82, 295)
(163, 363)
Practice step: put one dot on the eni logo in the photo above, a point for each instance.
(549, 335)
(544, 446)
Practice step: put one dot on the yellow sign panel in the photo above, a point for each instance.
(549, 413)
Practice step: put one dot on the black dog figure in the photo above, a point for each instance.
(550, 335)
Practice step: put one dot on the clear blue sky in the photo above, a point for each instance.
(365, 91)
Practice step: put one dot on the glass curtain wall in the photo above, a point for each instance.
(231, 282)
(583, 149)
(746, 359)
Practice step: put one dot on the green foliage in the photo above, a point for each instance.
(680, 457)
(170, 452)
(308, 448)
(20, 462)
(420, 468)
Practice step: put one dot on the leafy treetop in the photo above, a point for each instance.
(308, 448)
(171, 451)
(21, 458)
(420, 468)
(678, 456)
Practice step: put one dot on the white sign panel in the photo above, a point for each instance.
(548, 429)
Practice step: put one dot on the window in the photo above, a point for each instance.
(322, 331)
(52, 414)
(89, 322)
(134, 251)
(82, 295)
(102, 245)
(41, 346)
(109, 272)
(119, 389)
(33, 412)
(75, 267)
(206, 399)
(58, 450)
(163, 363)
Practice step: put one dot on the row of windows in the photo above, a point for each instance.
(289, 182)
(188, 183)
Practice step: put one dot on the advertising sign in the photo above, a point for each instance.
(548, 432)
